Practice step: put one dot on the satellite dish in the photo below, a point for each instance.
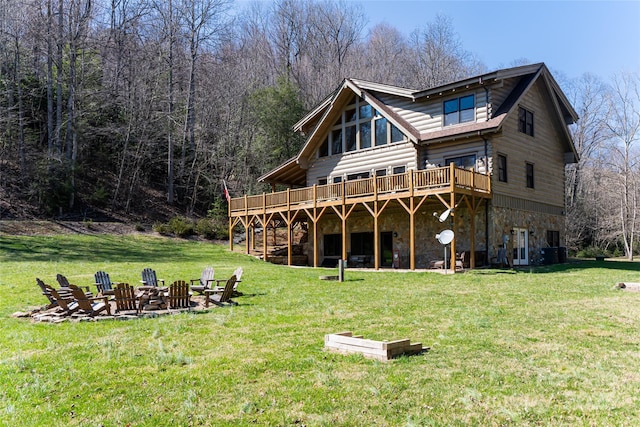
(445, 237)
(443, 217)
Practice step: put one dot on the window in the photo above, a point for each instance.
(336, 138)
(359, 127)
(530, 175)
(337, 179)
(396, 135)
(466, 162)
(399, 169)
(502, 168)
(350, 137)
(322, 181)
(361, 243)
(553, 238)
(459, 110)
(324, 148)
(525, 121)
(365, 135)
(332, 245)
(359, 175)
(381, 131)
(381, 172)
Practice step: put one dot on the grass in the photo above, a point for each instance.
(555, 345)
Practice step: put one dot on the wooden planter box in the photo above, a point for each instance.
(346, 343)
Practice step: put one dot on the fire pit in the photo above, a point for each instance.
(152, 297)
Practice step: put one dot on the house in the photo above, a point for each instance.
(384, 170)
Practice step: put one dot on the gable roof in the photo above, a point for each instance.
(292, 171)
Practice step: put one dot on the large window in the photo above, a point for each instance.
(381, 131)
(359, 127)
(530, 183)
(332, 245)
(459, 110)
(466, 162)
(525, 121)
(361, 243)
(502, 168)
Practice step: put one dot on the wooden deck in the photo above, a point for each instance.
(409, 184)
(450, 185)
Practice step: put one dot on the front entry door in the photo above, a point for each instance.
(520, 246)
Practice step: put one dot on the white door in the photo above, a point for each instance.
(520, 246)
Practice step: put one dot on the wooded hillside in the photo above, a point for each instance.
(137, 109)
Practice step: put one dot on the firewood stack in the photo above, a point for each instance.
(152, 298)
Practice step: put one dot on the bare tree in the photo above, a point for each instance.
(438, 55)
(624, 125)
(588, 95)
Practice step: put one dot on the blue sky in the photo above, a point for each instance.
(571, 37)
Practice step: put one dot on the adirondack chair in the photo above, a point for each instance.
(125, 298)
(47, 293)
(66, 303)
(65, 285)
(103, 283)
(204, 282)
(149, 278)
(221, 297)
(179, 296)
(235, 293)
(88, 304)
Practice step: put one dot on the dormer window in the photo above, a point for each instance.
(459, 110)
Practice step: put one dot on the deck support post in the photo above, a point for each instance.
(315, 226)
(344, 224)
(412, 224)
(264, 227)
(289, 231)
(453, 242)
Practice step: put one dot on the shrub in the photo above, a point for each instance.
(161, 228)
(590, 252)
(206, 228)
(181, 226)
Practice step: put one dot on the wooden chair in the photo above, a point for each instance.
(179, 296)
(125, 298)
(204, 282)
(47, 293)
(235, 292)
(66, 303)
(89, 305)
(149, 278)
(65, 285)
(103, 283)
(221, 297)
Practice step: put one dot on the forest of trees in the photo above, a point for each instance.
(117, 105)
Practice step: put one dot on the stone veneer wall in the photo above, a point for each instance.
(395, 219)
(502, 220)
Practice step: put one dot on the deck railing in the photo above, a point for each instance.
(412, 181)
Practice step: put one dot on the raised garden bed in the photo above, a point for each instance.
(346, 343)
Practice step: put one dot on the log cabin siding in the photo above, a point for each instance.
(500, 92)
(437, 154)
(427, 115)
(542, 150)
(369, 160)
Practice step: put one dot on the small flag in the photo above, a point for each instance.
(226, 191)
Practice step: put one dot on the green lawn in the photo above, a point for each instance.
(554, 346)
